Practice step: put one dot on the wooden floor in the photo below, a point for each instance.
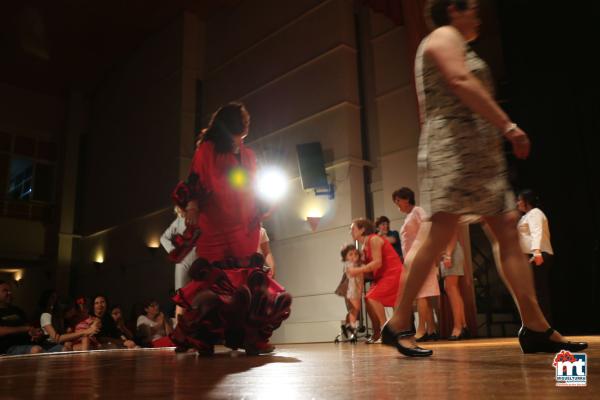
(475, 369)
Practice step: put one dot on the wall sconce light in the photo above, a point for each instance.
(313, 222)
(18, 278)
(152, 246)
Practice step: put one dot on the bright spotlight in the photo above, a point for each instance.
(271, 184)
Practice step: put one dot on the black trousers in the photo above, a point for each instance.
(541, 280)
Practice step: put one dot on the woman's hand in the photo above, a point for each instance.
(520, 143)
(447, 261)
(537, 259)
(353, 271)
(92, 330)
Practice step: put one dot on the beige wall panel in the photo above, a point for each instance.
(130, 272)
(142, 146)
(22, 238)
(379, 23)
(393, 70)
(338, 130)
(318, 86)
(296, 44)
(230, 34)
(27, 113)
(357, 190)
(398, 120)
(289, 222)
(132, 82)
(310, 265)
(399, 169)
(378, 200)
(136, 124)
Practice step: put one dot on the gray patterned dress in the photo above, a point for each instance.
(462, 169)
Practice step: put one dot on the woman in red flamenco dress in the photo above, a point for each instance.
(230, 299)
(383, 262)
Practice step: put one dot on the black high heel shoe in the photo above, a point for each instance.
(428, 337)
(391, 338)
(464, 334)
(539, 342)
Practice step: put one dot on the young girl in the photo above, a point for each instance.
(351, 288)
(84, 322)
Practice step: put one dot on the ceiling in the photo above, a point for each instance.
(53, 46)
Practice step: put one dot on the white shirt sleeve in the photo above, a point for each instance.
(143, 320)
(171, 231)
(45, 320)
(536, 221)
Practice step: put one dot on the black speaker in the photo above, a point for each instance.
(312, 166)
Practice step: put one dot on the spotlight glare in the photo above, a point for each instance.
(271, 184)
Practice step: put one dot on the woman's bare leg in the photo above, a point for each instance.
(456, 304)
(353, 312)
(376, 313)
(516, 273)
(443, 226)
(425, 317)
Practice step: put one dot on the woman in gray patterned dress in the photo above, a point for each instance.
(462, 171)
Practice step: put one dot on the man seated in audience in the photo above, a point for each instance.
(16, 335)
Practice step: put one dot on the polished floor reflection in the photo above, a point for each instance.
(475, 369)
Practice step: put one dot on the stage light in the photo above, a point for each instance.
(271, 184)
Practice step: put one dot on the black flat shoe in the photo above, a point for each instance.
(539, 342)
(391, 338)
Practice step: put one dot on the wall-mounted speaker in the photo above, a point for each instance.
(312, 166)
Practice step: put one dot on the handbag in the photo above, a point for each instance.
(342, 287)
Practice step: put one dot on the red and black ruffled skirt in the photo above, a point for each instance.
(224, 303)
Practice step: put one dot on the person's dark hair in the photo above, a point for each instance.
(436, 11)
(114, 307)
(381, 220)
(404, 193)
(59, 315)
(530, 197)
(148, 302)
(44, 301)
(367, 225)
(347, 249)
(228, 121)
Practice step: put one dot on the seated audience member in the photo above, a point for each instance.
(109, 336)
(153, 327)
(16, 335)
(56, 327)
(117, 315)
(81, 322)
